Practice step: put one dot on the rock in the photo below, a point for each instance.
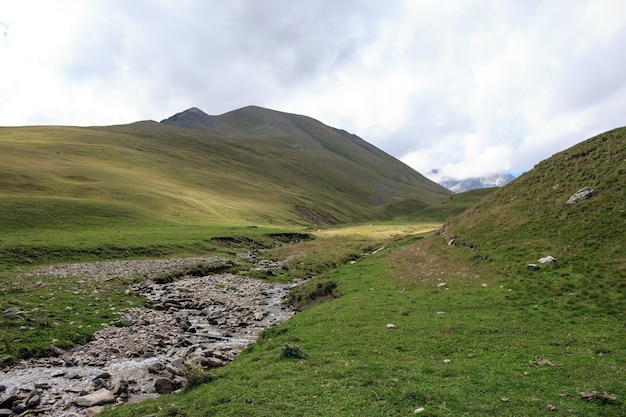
(120, 387)
(5, 412)
(173, 370)
(93, 411)
(419, 410)
(164, 386)
(9, 401)
(99, 383)
(547, 260)
(3, 387)
(33, 401)
(442, 285)
(532, 267)
(580, 195)
(104, 375)
(5, 359)
(212, 362)
(156, 368)
(102, 396)
(58, 373)
(54, 351)
(390, 326)
(19, 408)
(447, 361)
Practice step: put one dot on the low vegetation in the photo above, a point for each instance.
(395, 341)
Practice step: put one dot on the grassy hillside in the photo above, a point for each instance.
(248, 167)
(530, 218)
(261, 167)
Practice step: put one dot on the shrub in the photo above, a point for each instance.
(195, 374)
(292, 351)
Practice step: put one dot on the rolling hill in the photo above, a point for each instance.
(248, 166)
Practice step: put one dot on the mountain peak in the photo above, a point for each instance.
(193, 118)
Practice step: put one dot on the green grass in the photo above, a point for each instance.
(529, 219)
(355, 365)
(21, 249)
(60, 313)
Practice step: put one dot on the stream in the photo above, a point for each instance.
(194, 322)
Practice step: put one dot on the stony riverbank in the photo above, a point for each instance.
(192, 322)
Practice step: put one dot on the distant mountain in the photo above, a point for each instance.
(459, 186)
(247, 166)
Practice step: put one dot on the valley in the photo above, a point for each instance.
(391, 296)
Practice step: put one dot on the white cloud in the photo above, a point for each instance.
(469, 87)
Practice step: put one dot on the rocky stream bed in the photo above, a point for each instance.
(193, 322)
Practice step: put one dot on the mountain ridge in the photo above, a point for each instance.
(251, 165)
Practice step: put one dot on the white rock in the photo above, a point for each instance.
(447, 361)
(419, 410)
(442, 285)
(102, 396)
(547, 260)
(390, 326)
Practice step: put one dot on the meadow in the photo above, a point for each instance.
(387, 340)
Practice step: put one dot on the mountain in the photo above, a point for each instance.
(466, 184)
(247, 166)
(531, 218)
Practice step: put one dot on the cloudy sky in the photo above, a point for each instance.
(468, 87)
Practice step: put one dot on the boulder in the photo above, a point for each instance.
(102, 396)
(93, 411)
(120, 387)
(580, 195)
(99, 383)
(9, 401)
(19, 408)
(33, 401)
(164, 386)
(156, 368)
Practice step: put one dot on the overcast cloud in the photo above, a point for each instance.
(468, 87)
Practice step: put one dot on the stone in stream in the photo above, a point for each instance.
(102, 396)
(164, 386)
(156, 368)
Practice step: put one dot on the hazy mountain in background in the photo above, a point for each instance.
(466, 184)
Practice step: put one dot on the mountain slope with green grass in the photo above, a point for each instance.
(530, 218)
(249, 166)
